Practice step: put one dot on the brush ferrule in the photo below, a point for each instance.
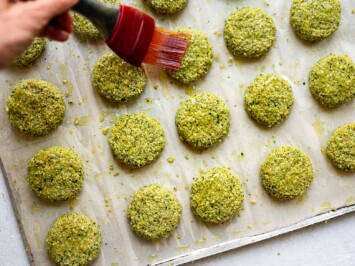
(132, 35)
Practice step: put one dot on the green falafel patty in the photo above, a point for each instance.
(268, 99)
(341, 147)
(202, 120)
(154, 212)
(286, 173)
(332, 80)
(30, 56)
(56, 173)
(166, 7)
(197, 59)
(249, 33)
(216, 195)
(137, 139)
(117, 80)
(315, 20)
(73, 239)
(35, 107)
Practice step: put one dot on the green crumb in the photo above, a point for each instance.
(137, 139)
(116, 173)
(154, 212)
(74, 239)
(216, 195)
(35, 107)
(249, 33)
(156, 86)
(166, 7)
(171, 160)
(105, 130)
(202, 120)
(286, 173)
(341, 147)
(197, 59)
(117, 80)
(84, 28)
(268, 99)
(55, 173)
(186, 157)
(27, 58)
(332, 80)
(315, 20)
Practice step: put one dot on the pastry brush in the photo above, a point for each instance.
(133, 36)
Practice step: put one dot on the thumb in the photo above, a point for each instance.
(54, 8)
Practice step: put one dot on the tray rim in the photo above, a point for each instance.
(244, 241)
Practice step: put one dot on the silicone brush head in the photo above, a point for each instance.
(136, 40)
(167, 49)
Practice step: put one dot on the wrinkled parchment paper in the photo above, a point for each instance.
(308, 127)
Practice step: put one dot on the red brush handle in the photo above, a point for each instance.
(132, 35)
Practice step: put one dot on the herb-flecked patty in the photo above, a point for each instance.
(117, 80)
(154, 212)
(202, 120)
(341, 147)
(35, 107)
(332, 80)
(249, 32)
(286, 173)
(27, 58)
(55, 173)
(84, 28)
(137, 139)
(315, 20)
(268, 99)
(73, 239)
(167, 7)
(216, 195)
(197, 59)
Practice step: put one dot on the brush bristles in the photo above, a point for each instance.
(167, 49)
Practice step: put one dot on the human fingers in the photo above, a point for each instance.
(63, 22)
(54, 33)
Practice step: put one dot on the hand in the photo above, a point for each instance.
(21, 22)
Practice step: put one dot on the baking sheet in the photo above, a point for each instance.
(308, 127)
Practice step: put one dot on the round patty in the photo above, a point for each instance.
(286, 173)
(56, 173)
(332, 80)
(166, 7)
(154, 212)
(249, 32)
(268, 99)
(35, 107)
(341, 147)
(202, 120)
(216, 195)
(315, 20)
(137, 139)
(117, 80)
(27, 58)
(73, 239)
(197, 59)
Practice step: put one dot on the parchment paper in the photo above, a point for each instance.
(308, 127)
